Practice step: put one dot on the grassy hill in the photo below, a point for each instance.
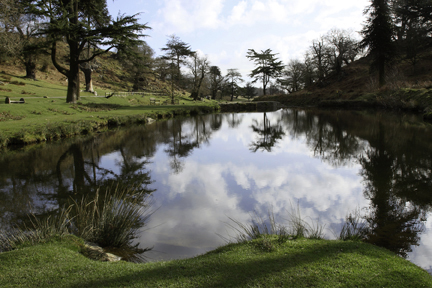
(265, 262)
(45, 115)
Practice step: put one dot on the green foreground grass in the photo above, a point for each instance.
(259, 263)
(46, 115)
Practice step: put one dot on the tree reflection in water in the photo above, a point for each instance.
(394, 221)
(395, 160)
(267, 135)
(396, 181)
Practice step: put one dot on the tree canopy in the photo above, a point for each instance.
(79, 23)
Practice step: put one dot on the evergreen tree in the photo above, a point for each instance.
(268, 66)
(216, 80)
(378, 36)
(176, 52)
(68, 20)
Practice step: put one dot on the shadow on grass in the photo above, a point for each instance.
(312, 267)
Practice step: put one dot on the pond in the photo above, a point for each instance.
(207, 169)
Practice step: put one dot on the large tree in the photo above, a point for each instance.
(378, 36)
(80, 23)
(19, 34)
(267, 66)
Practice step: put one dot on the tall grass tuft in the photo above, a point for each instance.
(39, 231)
(112, 221)
(354, 228)
(296, 227)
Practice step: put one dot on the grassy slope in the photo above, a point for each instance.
(42, 118)
(296, 263)
(407, 88)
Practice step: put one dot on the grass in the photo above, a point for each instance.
(112, 220)
(46, 115)
(268, 258)
(262, 228)
(294, 263)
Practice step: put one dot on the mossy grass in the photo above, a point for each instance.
(46, 115)
(293, 263)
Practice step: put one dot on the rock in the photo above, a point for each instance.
(94, 252)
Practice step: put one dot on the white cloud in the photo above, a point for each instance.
(188, 16)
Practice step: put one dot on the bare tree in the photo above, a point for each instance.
(233, 76)
(198, 67)
(293, 76)
(342, 49)
(319, 55)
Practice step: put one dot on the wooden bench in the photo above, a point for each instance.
(9, 101)
(153, 101)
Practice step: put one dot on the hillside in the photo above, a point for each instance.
(108, 76)
(407, 88)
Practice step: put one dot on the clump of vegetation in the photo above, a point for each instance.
(4, 116)
(26, 93)
(94, 107)
(19, 83)
(5, 89)
(354, 227)
(6, 78)
(60, 111)
(40, 231)
(111, 221)
(262, 228)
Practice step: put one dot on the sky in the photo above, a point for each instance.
(224, 30)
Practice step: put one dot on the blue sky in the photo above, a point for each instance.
(225, 29)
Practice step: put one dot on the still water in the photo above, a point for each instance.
(207, 169)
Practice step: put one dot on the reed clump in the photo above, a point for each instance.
(265, 228)
(111, 220)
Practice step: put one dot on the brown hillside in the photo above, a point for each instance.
(407, 88)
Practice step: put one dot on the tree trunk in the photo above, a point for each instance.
(73, 93)
(88, 77)
(30, 69)
(73, 87)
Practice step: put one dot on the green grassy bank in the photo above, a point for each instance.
(259, 263)
(46, 115)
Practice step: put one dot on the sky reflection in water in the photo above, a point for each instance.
(224, 178)
(206, 169)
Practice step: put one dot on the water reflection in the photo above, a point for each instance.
(201, 171)
(267, 134)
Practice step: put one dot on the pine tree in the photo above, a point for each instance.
(267, 66)
(378, 36)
